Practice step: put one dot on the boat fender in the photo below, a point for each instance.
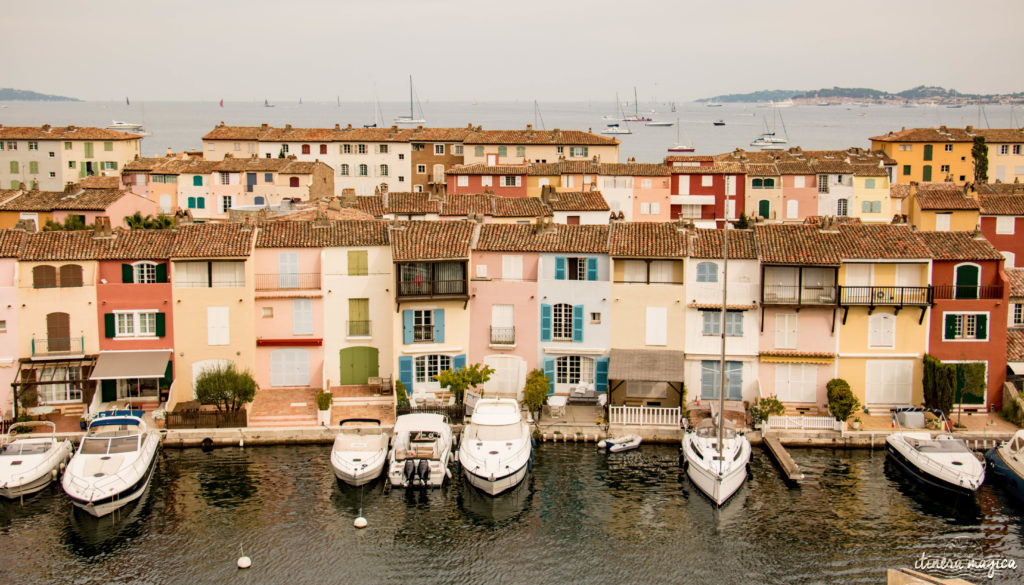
(207, 444)
(53, 474)
(424, 471)
(448, 472)
(602, 444)
(409, 471)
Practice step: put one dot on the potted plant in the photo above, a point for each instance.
(83, 423)
(855, 423)
(323, 408)
(160, 417)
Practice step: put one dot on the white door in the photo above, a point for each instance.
(889, 381)
(289, 367)
(792, 209)
(165, 204)
(509, 376)
(796, 382)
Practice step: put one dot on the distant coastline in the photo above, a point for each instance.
(921, 95)
(8, 94)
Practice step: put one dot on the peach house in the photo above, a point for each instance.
(10, 246)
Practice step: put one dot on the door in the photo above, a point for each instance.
(926, 173)
(250, 182)
(58, 332)
(509, 376)
(289, 367)
(764, 208)
(943, 221)
(358, 364)
(165, 203)
(287, 269)
(889, 381)
(967, 281)
(108, 389)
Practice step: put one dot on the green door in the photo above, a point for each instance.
(764, 208)
(967, 280)
(926, 173)
(358, 364)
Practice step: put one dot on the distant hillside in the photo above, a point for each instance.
(765, 95)
(920, 93)
(8, 94)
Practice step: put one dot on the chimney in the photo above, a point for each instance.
(348, 197)
(968, 129)
(334, 204)
(182, 217)
(101, 227)
(287, 126)
(26, 225)
(337, 126)
(169, 151)
(262, 126)
(529, 127)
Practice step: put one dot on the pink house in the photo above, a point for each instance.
(503, 180)
(10, 246)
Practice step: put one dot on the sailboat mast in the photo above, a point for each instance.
(636, 103)
(410, 98)
(725, 286)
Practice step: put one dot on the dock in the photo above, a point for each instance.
(789, 467)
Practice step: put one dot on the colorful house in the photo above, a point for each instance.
(705, 194)
(1005, 153)
(50, 157)
(516, 147)
(929, 154)
(11, 242)
(38, 207)
(505, 180)
(577, 207)
(1001, 218)
(649, 199)
(941, 207)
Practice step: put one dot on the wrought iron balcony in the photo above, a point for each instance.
(288, 280)
(787, 294)
(503, 335)
(57, 346)
(877, 296)
(432, 288)
(358, 328)
(950, 291)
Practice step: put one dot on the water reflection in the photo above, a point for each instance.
(507, 507)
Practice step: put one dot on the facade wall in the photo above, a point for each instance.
(115, 295)
(9, 333)
(497, 289)
(1008, 167)
(456, 339)
(1011, 243)
(430, 157)
(116, 211)
(813, 335)
(648, 198)
(537, 153)
(629, 303)
(869, 194)
(120, 153)
(36, 303)
(912, 155)
(479, 184)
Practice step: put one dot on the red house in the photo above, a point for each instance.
(1002, 223)
(502, 180)
(700, 193)
(969, 315)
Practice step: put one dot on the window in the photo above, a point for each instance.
(462, 181)
(383, 170)
(197, 181)
(383, 149)
(225, 203)
(799, 182)
(481, 271)
(769, 183)
(108, 146)
(1005, 224)
(11, 145)
(33, 168)
(343, 170)
(1016, 149)
(711, 379)
(512, 180)
(928, 152)
(258, 200)
(52, 174)
(439, 150)
(756, 184)
(948, 148)
(882, 330)
(645, 209)
(71, 164)
(478, 151)
(421, 169)
(144, 272)
(293, 181)
(869, 183)
(3, 326)
(906, 147)
(363, 170)
(906, 170)
(135, 323)
(417, 147)
(302, 316)
(655, 208)
(70, 275)
(44, 276)
(428, 366)
(323, 149)
(712, 321)
(943, 221)
(822, 183)
(973, 326)
(305, 149)
(457, 149)
(346, 149)
(67, 146)
(842, 207)
(218, 326)
(225, 178)
(785, 330)
(889, 381)
(503, 324)
(502, 151)
(237, 146)
(707, 272)
(944, 168)
(361, 149)
(1018, 313)
(581, 151)
(577, 268)
(357, 263)
(1003, 148)
(567, 181)
(574, 369)
(707, 180)
(487, 181)
(268, 312)
(595, 318)
(512, 268)
(561, 322)
(33, 145)
(423, 326)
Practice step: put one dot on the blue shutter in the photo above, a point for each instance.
(406, 327)
(549, 371)
(560, 268)
(191, 202)
(459, 361)
(577, 323)
(545, 322)
(201, 202)
(439, 326)
(591, 268)
(405, 372)
(601, 374)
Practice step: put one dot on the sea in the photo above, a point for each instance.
(181, 125)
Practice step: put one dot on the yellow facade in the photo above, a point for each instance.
(871, 201)
(630, 301)
(535, 183)
(929, 161)
(78, 302)
(960, 220)
(1005, 162)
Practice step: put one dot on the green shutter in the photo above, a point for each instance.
(109, 325)
(586, 151)
(167, 379)
(950, 327)
(161, 324)
(764, 208)
(549, 372)
(906, 169)
(201, 202)
(14, 166)
(112, 165)
(478, 150)
(88, 149)
(197, 181)
(926, 173)
(865, 207)
(127, 273)
(81, 170)
(33, 167)
(161, 272)
(108, 146)
(981, 327)
(191, 202)
(927, 152)
(108, 390)
(601, 374)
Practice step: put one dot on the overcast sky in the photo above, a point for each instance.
(550, 50)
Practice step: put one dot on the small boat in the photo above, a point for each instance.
(267, 104)
(636, 116)
(410, 119)
(359, 452)
(681, 146)
(114, 463)
(942, 461)
(496, 447)
(712, 105)
(119, 125)
(659, 124)
(1007, 463)
(719, 122)
(609, 118)
(30, 461)
(614, 128)
(421, 450)
(618, 444)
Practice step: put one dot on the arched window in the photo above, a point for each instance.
(343, 170)
(769, 183)
(363, 170)
(756, 184)
(561, 322)
(967, 278)
(882, 330)
(707, 272)
(383, 170)
(70, 275)
(144, 272)
(44, 276)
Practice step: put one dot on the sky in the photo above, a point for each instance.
(550, 50)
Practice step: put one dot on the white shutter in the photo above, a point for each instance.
(502, 316)
(289, 367)
(462, 181)
(511, 267)
(942, 222)
(792, 209)
(218, 326)
(782, 382)
(228, 274)
(858, 275)
(287, 269)
(302, 316)
(730, 185)
(657, 323)
(636, 271)
(730, 209)
(785, 330)
(888, 330)
(908, 275)
(645, 208)
(661, 271)
(481, 271)
(799, 181)
(684, 185)
(808, 386)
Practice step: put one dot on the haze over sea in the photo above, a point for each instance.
(181, 125)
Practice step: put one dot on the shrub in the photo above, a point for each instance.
(939, 385)
(841, 401)
(535, 395)
(457, 381)
(764, 407)
(226, 387)
(400, 396)
(324, 400)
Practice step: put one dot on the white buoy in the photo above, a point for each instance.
(241, 442)
(360, 522)
(244, 562)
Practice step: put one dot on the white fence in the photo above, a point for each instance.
(644, 415)
(817, 423)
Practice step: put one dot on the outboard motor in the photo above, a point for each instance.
(409, 471)
(424, 471)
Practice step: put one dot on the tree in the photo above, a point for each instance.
(535, 395)
(137, 221)
(400, 396)
(764, 407)
(743, 222)
(980, 154)
(71, 223)
(939, 385)
(226, 387)
(841, 401)
(457, 381)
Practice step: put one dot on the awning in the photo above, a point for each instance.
(650, 365)
(119, 365)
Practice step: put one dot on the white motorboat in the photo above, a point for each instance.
(659, 123)
(359, 452)
(421, 450)
(119, 125)
(618, 444)
(1007, 462)
(941, 461)
(716, 472)
(496, 447)
(29, 461)
(712, 105)
(114, 463)
(614, 128)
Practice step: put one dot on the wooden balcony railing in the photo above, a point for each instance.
(787, 294)
(417, 288)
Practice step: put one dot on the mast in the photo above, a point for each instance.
(410, 98)
(636, 103)
(725, 286)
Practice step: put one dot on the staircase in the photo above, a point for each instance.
(284, 407)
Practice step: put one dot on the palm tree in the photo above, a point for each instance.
(136, 221)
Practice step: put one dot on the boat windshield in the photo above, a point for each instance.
(936, 446)
(105, 445)
(510, 432)
(19, 448)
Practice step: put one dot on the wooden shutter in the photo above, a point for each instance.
(218, 326)
(950, 327)
(601, 374)
(591, 268)
(981, 327)
(927, 152)
(438, 325)
(109, 325)
(459, 361)
(656, 332)
(545, 322)
(405, 372)
(577, 324)
(70, 275)
(302, 316)
(549, 372)
(407, 322)
(161, 325)
(127, 273)
(161, 272)
(560, 268)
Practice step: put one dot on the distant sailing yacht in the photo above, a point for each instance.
(267, 104)
(410, 119)
(636, 116)
(681, 146)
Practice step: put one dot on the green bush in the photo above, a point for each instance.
(762, 408)
(457, 381)
(535, 395)
(226, 387)
(324, 400)
(841, 401)
(939, 385)
(400, 396)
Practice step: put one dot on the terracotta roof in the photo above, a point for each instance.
(431, 240)
(213, 240)
(264, 165)
(762, 170)
(577, 201)
(795, 244)
(440, 134)
(819, 220)
(520, 207)
(371, 204)
(899, 191)
(879, 241)
(464, 204)
(578, 167)
(719, 168)
(544, 169)
(647, 240)
(326, 234)
(941, 134)
(958, 246)
(411, 203)
(320, 211)
(689, 158)
(1001, 204)
(86, 245)
(1000, 189)
(632, 169)
(1016, 278)
(869, 170)
(943, 199)
(81, 200)
(482, 169)
(100, 182)
(222, 132)
(831, 166)
(997, 135)
(504, 237)
(456, 205)
(532, 136)
(47, 132)
(707, 243)
(1015, 345)
(11, 241)
(795, 167)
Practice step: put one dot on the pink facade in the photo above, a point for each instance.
(116, 211)
(815, 345)
(499, 290)
(648, 198)
(479, 184)
(806, 196)
(8, 334)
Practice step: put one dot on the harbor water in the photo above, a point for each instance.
(580, 517)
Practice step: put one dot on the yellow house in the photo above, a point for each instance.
(540, 175)
(882, 315)
(929, 154)
(213, 294)
(52, 156)
(941, 207)
(871, 201)
(647, 311)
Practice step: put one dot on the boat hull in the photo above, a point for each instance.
(107, 504)
(1002, 470)
(359, 477)
(41, 478)
(27, 488)
(497, 485)
(718, 488)
(924, 478)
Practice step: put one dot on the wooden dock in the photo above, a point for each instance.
(782, 457)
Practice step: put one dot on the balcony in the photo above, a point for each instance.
(789, 294)
(431, 280)
(57, 346)
(358, 328)
(432, 288)
(949, 291)
(503, 335)
(889, 296)
(288, 281)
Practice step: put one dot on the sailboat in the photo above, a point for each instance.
(636, 116)
(768, 140)
(222, 103)
(717, 465)
(267, 104)
(378, 118)
(681, 146)
(613, 127)
(410, 119)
